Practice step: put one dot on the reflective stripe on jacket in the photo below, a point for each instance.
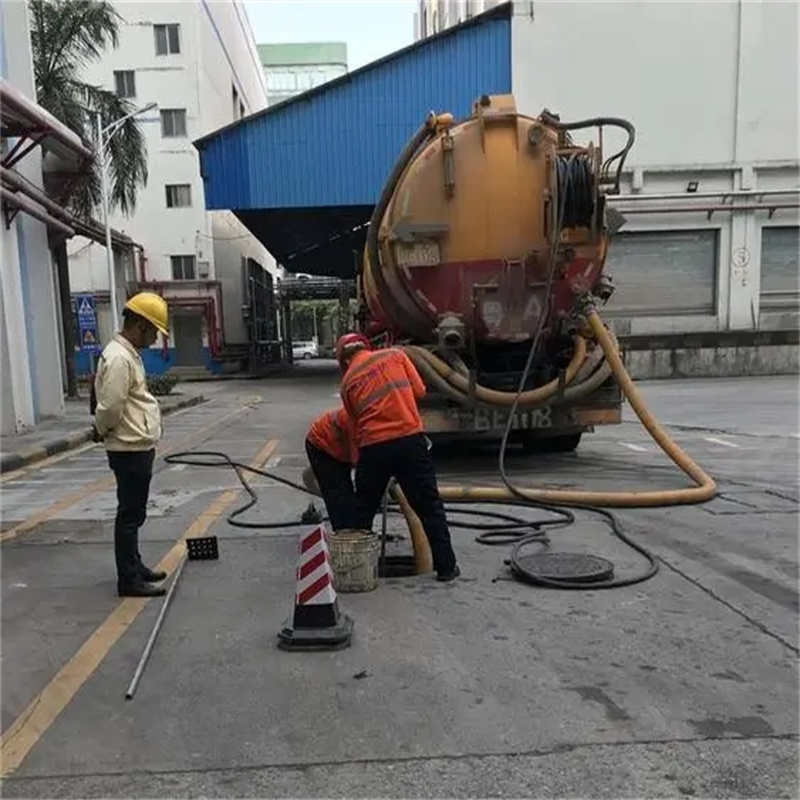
(334, 433)
(380, 391)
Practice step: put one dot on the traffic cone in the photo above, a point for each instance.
(317, 623)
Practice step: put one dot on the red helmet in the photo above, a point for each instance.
(349, 343)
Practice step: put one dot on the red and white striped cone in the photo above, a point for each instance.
(317, 623)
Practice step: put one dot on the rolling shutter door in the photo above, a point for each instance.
(663, 273)
(780, 270)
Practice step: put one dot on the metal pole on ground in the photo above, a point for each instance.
(151, 641)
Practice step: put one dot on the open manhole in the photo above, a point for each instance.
(575, 567)
(396, 567)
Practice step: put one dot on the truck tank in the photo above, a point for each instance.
(485, 235)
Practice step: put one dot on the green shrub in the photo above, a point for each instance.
(160, 385)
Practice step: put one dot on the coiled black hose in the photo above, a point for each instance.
(576, 188)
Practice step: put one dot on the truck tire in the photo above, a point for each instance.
(552, 444)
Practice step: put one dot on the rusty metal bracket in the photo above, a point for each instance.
(25, 143)
(449, 164)
(409, 232)
(8, 215)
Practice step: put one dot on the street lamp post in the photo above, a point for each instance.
(103, 137)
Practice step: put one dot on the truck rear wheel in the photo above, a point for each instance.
(552, 444)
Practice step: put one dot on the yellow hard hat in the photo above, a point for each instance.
(151, 306)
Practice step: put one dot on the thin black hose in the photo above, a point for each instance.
(213, 458)
(567, 516)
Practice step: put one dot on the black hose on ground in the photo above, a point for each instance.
(566, 194)
(509, 530)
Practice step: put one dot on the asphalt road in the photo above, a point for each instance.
(685, 685)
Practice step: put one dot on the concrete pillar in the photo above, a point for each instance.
(30, 319)
(17, 399)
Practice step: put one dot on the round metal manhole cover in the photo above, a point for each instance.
(575, 567)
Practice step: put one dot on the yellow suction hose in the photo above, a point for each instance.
(423, 559)
(704, 489)
(448, 379)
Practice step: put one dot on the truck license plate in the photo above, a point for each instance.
(482, 419)
(419, 254)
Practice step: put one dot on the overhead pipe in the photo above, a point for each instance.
(13, 101)
(624, 198)
(707, 209)
(28, 189)
(23, 204)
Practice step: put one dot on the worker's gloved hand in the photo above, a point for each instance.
(96, 437)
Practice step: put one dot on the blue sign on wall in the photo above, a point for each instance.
(87, 324)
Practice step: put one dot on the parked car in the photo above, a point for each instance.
(304, 350)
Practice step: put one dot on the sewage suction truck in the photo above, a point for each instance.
(489, 237)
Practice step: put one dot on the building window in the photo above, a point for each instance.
(179, 195)
(126, 83)
(168, 40)
(663, 273)
(173, 122)
(780, 276)
(241, 111)
(182, 268)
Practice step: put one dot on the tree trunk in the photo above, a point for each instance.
(62, 267)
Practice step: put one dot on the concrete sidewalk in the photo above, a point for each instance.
(64, 433)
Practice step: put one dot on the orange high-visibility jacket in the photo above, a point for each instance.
(334, 432)
(380, 391)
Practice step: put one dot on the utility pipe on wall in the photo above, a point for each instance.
(22, 203)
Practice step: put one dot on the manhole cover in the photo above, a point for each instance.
(575, 567)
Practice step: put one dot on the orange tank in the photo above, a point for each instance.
(484, 226)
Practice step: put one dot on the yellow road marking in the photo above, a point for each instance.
(43, 710)
(104, 483)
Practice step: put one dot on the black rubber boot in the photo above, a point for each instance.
(139, 589)
(445, 577)
(150, 576)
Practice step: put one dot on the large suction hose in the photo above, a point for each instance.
(581, 377)
(705, 489)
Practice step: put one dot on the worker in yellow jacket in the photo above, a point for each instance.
(128, 421)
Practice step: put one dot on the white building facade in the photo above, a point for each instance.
(291, 69)
(199, 63)
(712, 90)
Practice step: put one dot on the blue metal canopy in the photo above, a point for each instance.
(304, 175)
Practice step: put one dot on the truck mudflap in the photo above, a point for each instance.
(602, 408)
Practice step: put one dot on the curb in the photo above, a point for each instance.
(26, 457)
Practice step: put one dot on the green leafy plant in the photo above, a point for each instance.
(160, 385)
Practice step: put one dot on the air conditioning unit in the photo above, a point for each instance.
(203, 269)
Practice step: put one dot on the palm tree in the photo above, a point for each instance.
(66, 35)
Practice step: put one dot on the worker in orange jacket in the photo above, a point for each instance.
(380, 390)
(332, 453)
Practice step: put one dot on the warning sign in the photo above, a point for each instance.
(86, 308)
(87, 323)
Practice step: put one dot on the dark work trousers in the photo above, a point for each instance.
(336, 486)
(408, 460)
(133, 470)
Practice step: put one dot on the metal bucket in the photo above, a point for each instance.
(354, 560)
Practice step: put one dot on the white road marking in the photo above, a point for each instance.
(178, 467)
(636, 447)
(273, 462)
(714, 440)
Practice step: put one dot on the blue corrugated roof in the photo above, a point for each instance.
(335, 145)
